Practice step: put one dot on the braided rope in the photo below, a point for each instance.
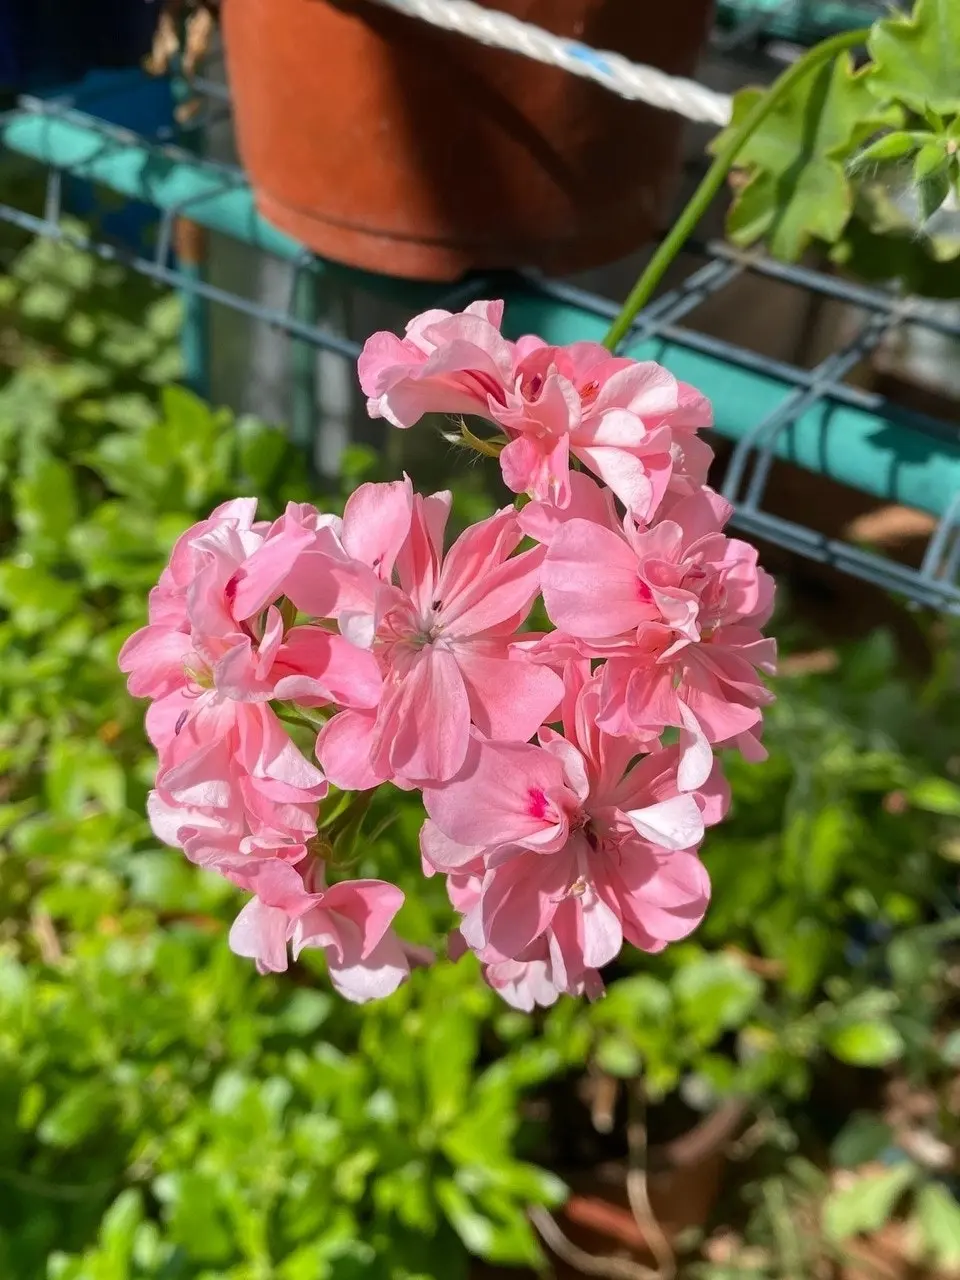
(614, 72)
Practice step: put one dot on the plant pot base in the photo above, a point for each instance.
(369, 249)
(386, 144)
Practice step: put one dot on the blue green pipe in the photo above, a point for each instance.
(804, 21)
(873, 452)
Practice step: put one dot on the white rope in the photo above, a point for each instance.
(614, 72)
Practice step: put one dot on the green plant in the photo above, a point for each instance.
(167, 1111)
(819, 160)
(862, 161)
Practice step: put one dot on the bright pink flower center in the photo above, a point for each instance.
(536, 802)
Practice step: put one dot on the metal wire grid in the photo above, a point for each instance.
(801, 21)
(933, 584)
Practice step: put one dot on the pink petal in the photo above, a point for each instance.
(479, 548)
(418, 562)
(370, 904)
(602, 935)
(538, 467)
(316, 668)
(376, 520)
(424, 725)
(260, 933)
(378, 975)
(266, 751)
(660, 900)
(259, 580)
(590, 582)
(588, 501)
(696, 754)
(520, 898)
(345, 748)
(154, 656)
(669, 824)
(502, 796)
(501, 594)
(441, 852)
(510, 698)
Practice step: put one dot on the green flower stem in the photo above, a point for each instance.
(715, 175)
(299, 716)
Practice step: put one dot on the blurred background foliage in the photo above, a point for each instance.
(168, 1114)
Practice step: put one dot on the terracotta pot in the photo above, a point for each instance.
(685, 1178)
(389, 145)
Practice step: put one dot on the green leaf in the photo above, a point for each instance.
(798, 189)
(938, 1215)
(950, 1049)
(936, 795)
(867, 1204)
(474, 1229)
(79, 1113)
(79, 771)
(892, 146)
(119, 1227)
(619, 1057)
(931, 176)
(931, 157)
(865, 1044)
(45, 301)
(864, 1138)
(46, 504)
(714, 994)
(917, 58)
(196, 1217)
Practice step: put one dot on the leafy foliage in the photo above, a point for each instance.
(209, 1121)
(168, 1113)
(863, 163)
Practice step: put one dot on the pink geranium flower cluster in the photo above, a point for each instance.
(568, 776)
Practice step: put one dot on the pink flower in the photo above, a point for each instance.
(574, 840)
(349, 921)
(631, 423)
(676, 611)
(215, 620)
(444, 364)
(610, 413)
(546, 969)
(237, 760)
(442, 629)
(555, 851)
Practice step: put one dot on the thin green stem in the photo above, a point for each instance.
(713, 179)
(299, 716)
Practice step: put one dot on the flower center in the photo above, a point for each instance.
(536, 803)
(197, 672)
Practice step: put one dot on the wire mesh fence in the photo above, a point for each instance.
(768, 409)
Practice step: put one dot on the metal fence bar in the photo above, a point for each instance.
(769, 408)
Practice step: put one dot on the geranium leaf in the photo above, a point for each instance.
(917, 58)
(892, 146)
(797, 188)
